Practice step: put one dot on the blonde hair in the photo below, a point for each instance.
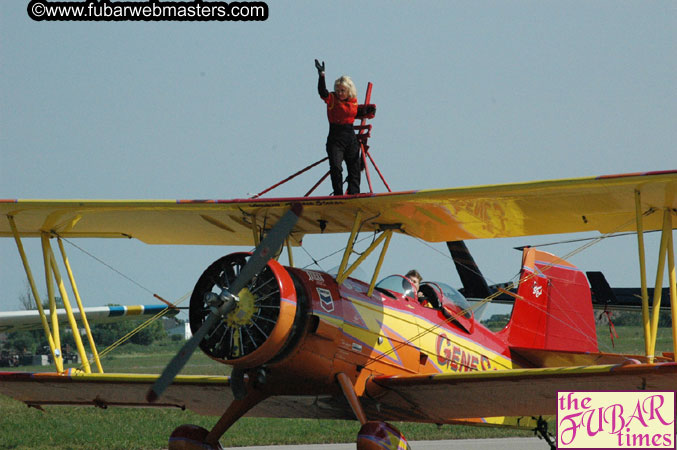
(347, 82)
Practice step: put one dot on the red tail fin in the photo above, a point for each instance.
(553, 310)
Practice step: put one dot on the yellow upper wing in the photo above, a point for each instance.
(604, 204)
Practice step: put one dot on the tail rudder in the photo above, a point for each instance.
(553, 308)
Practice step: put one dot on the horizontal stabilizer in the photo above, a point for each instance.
(554, 358)
(604, 296)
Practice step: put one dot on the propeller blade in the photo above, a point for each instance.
(180, 359)
(262, 254)
(268, 248)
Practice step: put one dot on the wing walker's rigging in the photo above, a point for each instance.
(363, 135)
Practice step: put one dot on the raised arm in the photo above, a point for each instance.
(321, 85)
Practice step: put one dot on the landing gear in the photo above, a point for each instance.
(380, 435)
(190, 437)
(373, 435)
(541, 431)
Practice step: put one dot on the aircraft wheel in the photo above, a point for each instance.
(381, 436)
(190, 437)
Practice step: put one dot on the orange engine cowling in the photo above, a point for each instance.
(264, 324)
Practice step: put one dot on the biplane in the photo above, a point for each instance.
(304, 343)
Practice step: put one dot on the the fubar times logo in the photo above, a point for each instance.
(616, 420)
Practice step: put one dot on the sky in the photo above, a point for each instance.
(468, 93)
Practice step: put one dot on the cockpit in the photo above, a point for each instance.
(396, 284)
(434, 294)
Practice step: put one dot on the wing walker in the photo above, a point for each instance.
(309, 344)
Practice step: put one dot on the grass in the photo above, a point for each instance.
(82, 427)
(631, 340)
(79, 428)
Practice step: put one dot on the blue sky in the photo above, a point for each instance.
(468, 93)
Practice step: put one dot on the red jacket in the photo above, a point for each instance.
(339, 112)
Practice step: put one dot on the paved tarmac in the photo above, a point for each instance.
(456, 444)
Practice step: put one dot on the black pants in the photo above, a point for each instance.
(342, 146)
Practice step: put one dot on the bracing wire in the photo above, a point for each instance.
(571, 241)
(99, 260)
(316, 261)
(136, 330)
(512, 285)
(141, 326)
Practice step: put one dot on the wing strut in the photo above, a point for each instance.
(665, 252)
(386, 234)
(56, 356)
(85, 322)
(53, 274)
(54, 271)
(349, 247)
(642, 272)
(666, 249)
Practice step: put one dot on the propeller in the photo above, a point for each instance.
(228, 298)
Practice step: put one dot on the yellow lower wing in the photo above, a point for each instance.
(445, 398)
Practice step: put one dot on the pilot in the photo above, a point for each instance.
(415, 277)
(341, 142)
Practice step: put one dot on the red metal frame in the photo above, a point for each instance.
(294, 176)
(362, 137)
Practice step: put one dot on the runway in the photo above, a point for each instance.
(454, 444)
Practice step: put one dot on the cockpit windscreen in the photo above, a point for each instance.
(456, 297)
